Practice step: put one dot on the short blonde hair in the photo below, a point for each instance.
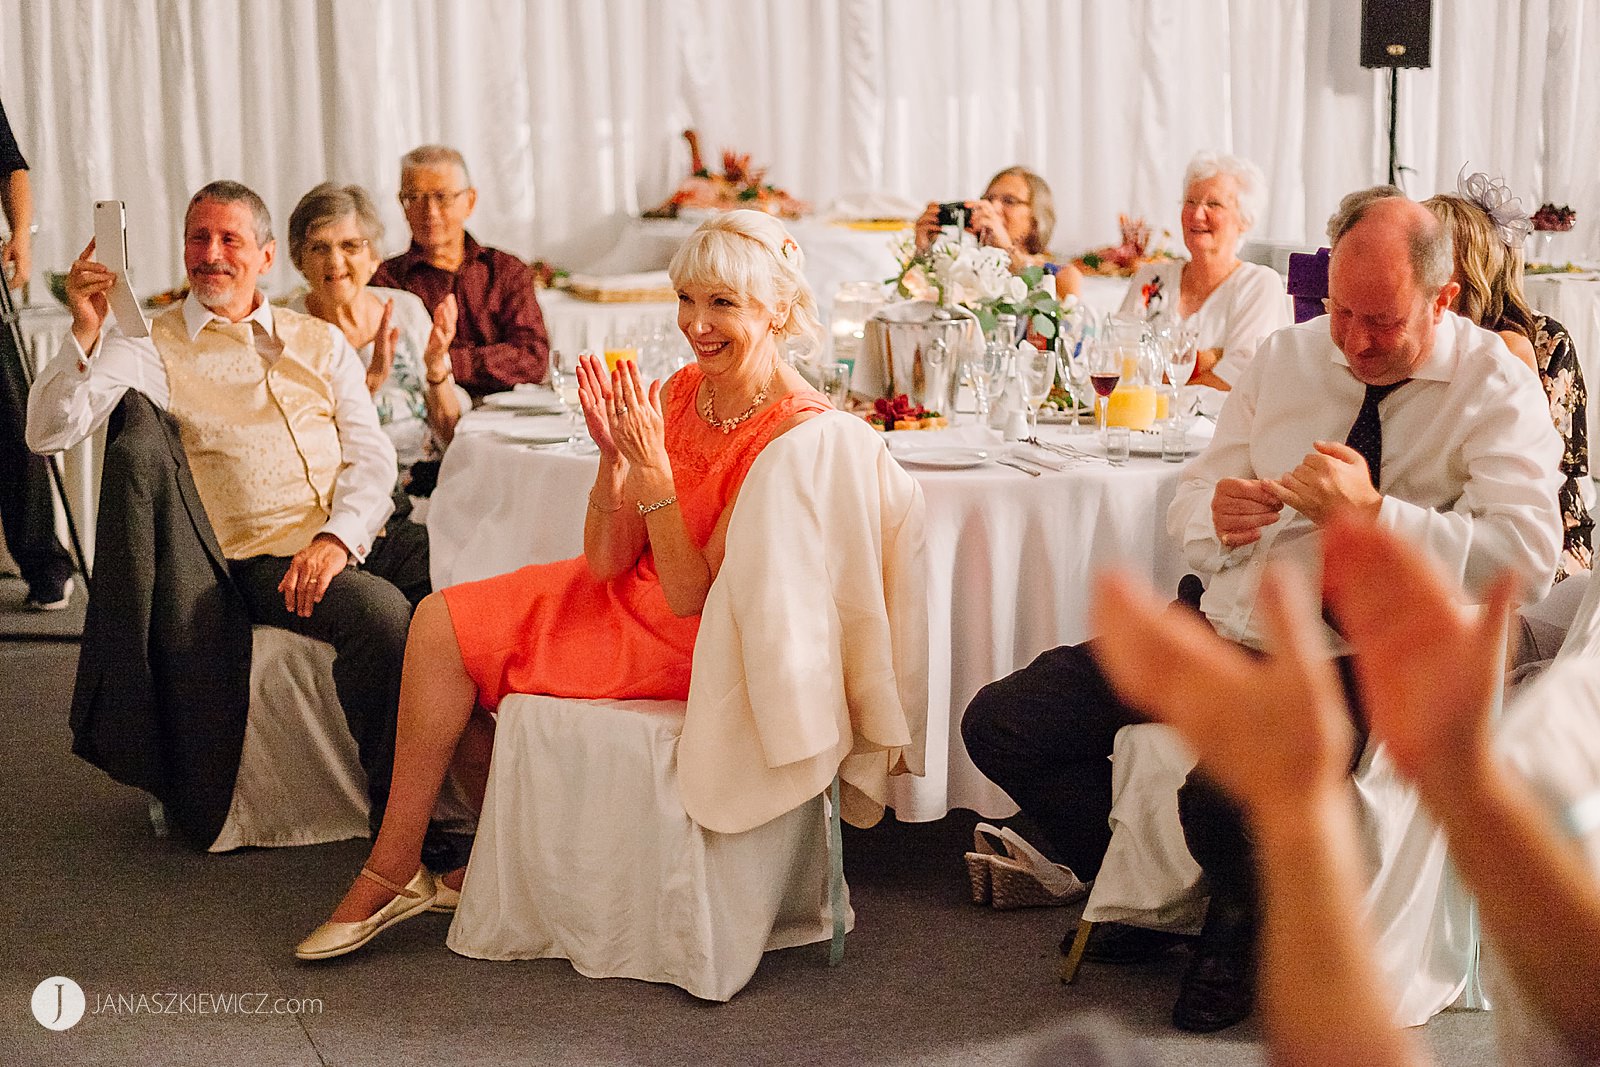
(750, 253)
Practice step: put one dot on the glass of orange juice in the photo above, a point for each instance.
(621, 346)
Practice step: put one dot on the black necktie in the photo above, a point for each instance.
(1366, 433)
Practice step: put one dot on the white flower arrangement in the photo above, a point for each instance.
(976, 277)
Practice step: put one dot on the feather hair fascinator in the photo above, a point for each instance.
(1504, 209)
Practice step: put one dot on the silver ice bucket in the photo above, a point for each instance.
(917, 348)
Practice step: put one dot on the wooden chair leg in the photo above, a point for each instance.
(1069, 966)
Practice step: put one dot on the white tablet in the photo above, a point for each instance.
(111, 248)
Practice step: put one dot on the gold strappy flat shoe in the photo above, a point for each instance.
(336, 939)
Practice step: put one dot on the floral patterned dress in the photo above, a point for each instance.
(1563, 385)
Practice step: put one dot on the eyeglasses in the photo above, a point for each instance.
(322, 249)
(1007, 200)
(1209, 205)
(438, 200)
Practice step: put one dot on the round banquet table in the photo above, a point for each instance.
(1009, 562)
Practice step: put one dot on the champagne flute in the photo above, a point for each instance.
(1181, 357)
(564, 379)
(1037, 367)
(1105, 370)
(1075, 340)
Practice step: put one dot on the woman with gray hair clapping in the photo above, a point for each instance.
(334, 233)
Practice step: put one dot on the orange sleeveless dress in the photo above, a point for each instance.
(555, 628)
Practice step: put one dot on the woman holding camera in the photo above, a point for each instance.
(1015, 214)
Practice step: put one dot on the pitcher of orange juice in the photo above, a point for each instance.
(1137, 402)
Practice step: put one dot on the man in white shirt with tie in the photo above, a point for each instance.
(1391, 384)
(283, 444)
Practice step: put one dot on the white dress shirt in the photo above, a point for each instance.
(77, 390)
(1470, 464)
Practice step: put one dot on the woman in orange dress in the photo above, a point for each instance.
(620, 620)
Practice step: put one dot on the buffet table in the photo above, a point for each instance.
(1009, 560)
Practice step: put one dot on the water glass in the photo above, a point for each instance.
(836, 383)
(1175, 439)
(1119, 441)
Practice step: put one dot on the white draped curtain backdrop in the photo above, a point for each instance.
(570, 111)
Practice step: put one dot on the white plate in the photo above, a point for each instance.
(528, 400)
(532, 433)
(944, 459)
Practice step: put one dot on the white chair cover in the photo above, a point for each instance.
(300, 780)
(584, 852)
(1423, 917)
(586, 848)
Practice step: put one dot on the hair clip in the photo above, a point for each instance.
(789, 249)
(1503, 209)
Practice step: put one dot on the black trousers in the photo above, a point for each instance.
(26, 512)
(365, 615)
(1044, 735)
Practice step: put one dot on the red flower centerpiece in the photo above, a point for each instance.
(900, 413)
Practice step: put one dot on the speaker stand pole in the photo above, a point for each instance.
(1394, 124)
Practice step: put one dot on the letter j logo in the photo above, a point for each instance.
(58, 1003)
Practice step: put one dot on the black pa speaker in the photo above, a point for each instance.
(1396, 33)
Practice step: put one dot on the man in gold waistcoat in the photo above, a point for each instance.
(283, 444)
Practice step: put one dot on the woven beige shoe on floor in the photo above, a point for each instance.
(1025, 877)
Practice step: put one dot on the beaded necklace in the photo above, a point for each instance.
(727, 425)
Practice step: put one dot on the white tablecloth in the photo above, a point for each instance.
(1009, 563)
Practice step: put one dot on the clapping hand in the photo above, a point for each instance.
(595, 398)
(383, 343)
(637, 424)
(1426, 667)
(436, 356)
(1272, 729)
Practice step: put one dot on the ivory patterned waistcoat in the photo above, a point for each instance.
(261, 440)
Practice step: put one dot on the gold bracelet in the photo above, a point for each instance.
(601, 510)
(645, 509)
(445, 377)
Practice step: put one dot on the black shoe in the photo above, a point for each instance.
(1120, 943)
(1219, 988)
(50, 596)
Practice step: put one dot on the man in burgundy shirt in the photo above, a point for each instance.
(500, 337)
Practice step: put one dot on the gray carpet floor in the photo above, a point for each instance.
(927, 978)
